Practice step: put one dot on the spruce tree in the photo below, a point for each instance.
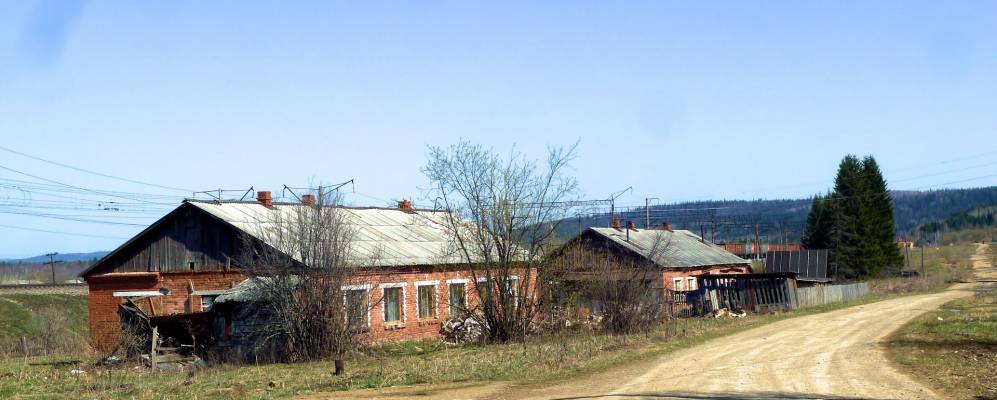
(878, 216)
(850, 250)
(820, 223)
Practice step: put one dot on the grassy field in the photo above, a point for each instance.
(953, 349)
(62, 318)
(943, 266)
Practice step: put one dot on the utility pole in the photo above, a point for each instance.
(52, 262)
(758, 246)
(647, 211)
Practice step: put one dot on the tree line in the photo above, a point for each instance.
(855, 221)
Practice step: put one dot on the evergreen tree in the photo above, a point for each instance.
(820, 224)
(880, 229)
(850, 251)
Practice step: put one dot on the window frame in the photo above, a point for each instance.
(691, 283)
(464, 286)
(677, 284)
(401, 303)
(418, 298)
(366, 288)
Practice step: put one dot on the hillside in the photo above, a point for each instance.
(779, 220)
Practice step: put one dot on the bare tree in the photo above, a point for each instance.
(310, 284)
(503, 214)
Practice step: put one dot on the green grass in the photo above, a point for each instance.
(953, 350)
(19, 312)
(541, 359)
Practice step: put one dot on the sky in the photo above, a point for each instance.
(678, 100)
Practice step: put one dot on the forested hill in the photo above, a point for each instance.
(778, 220)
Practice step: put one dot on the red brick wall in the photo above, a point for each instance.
(105, 326)
(413, 327)
(670, 274)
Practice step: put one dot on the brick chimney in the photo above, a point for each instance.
(405, 205)
(616, 224)
(666, 227)
(264, 198)
(308, 199)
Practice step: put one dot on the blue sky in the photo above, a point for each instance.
(682, 101)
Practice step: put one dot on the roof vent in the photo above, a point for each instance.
(265, 198)
(631, 226)
(666, 227)
(616, 224)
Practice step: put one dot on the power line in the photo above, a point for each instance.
(61, 233)
(91, 172)
(77, 187)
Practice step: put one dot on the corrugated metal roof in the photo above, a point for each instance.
(386, 237)
(675, 249)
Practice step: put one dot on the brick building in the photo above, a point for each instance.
(187, 260)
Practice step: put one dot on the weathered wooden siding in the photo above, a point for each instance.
(188, 241)
(827, 294)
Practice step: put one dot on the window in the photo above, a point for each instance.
(427, 299)
(690, 283)
(207, 302)
(512, 290)
(394, 300)
(458, 298)
(356, 300)
(678, 284)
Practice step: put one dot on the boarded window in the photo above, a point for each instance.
(393, 302)
(427, 301)
(457, 299)
(357, 302)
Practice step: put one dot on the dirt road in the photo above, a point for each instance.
(836, 354)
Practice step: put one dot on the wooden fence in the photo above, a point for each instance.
(827, 294)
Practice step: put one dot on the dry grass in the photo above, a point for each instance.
(538, 359)
(943, 266)
(954, 349)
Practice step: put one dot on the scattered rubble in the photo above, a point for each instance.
(459, 331)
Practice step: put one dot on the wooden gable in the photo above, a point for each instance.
(186, 240)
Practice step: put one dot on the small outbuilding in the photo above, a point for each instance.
(671, 260)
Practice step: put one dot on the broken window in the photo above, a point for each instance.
(457, 298)
(393, 301)
(207, 302)
(427, 301)
(357, 302)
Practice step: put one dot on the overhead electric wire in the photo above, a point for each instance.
(77, 187)
(61, 232)
(92, 172)
(66, 218)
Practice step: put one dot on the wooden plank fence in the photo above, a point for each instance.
(827, 294)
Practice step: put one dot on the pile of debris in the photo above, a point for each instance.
(723, 313)
(460, 331)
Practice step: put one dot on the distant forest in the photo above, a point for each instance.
(782, 220)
